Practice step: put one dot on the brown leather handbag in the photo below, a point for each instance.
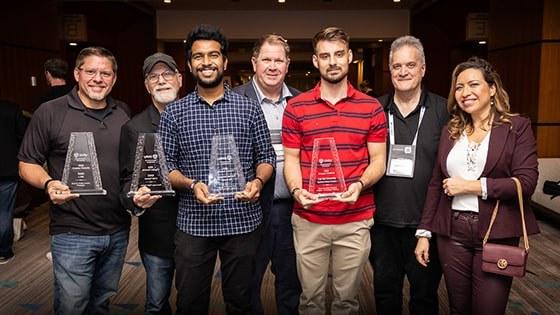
(505, 259)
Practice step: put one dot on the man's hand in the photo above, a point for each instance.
(203, 196)
(59, 193)
(143, 199)
(305, 198)
(252, 191)
(351, 194)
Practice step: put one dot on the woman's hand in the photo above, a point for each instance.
(422, 251)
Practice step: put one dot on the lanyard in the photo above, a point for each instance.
(392, 126)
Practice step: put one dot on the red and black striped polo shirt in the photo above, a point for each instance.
(353, 122)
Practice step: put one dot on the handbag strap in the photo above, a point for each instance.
(521, 210)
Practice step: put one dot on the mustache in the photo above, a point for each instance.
(333, 68)
(203, 68)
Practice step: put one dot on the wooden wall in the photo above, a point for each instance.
(441, 27)
(128, 31)
(525, 49)
(29, 35)
(33, 32)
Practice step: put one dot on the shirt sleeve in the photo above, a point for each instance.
(35, 146)
(291, 129)
(378, 125)
(168, 132)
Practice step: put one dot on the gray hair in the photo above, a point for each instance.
(407, 40)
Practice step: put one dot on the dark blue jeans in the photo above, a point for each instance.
(87, 270)
(277, 246)
(8, 188)
(392, 259)
(159, 277)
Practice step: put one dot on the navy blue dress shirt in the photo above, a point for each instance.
(186, 129)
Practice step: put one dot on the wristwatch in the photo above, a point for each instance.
(194, 182)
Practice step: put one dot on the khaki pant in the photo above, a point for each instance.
(347, 245)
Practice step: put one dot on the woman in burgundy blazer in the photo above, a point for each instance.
(479, 107)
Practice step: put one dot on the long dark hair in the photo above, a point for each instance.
(499, 103)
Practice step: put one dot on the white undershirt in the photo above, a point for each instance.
(467, 160)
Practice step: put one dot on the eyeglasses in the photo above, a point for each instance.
(166, 75)
(90, 73)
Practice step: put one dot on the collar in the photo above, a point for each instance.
(154, 115)
(226, 97)
(422, 102)
(284, 94)
(316, 91)
(75, 102)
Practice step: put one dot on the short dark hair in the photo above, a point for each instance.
(205, 32)
(96, 51)
(331, 34)
(57, 68)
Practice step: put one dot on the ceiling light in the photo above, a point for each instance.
(73, 44)
(166, 1)
(482, 42)
(396, 0)
(380, 40)
(281, 1)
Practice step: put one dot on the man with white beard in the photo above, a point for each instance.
(157, 215)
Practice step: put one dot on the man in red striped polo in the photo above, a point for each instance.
(335, 228)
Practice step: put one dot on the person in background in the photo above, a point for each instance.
(156, 215)
(12, 129)
(89, 234)
(483, 147)
(270, 62)
(333, 230)
(208, 226)
(416, 117)
(56, 73)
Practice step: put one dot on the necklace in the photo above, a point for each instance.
(472, 152)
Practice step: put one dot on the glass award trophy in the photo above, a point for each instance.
(225, 176)
(150, 168)
(326, 179)
(81, 168)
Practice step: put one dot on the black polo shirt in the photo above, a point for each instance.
(400, 200)
(47, 139)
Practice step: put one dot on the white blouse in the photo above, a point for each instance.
(467, 160)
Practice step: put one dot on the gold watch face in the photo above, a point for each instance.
(502, 263)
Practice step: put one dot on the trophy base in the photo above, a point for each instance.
(89, 192)
(218, 196)
(328, 196)
(165, 193)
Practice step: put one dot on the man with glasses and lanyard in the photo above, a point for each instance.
(156, 215)
(416, 118)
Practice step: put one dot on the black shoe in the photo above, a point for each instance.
(5, 259)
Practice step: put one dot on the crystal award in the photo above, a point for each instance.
(150, 168)
(225, 176)
(326, 179)
(81, 168)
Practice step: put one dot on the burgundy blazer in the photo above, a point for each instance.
(512, 152)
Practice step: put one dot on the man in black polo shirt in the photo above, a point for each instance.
(416, 118)
(157, 216)
(89, 234)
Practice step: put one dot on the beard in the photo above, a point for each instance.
(166, 96)
(209, 83)
(334, 79)
(95, 96)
